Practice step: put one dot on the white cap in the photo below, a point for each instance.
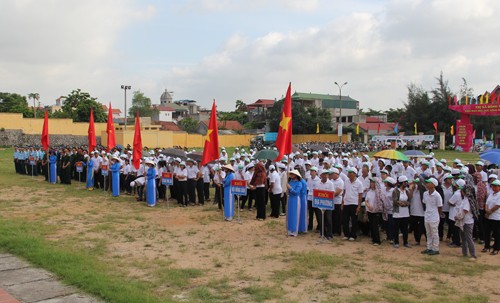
(314, 168)
(433, 181)
(493, 176)
(333, 170)
(272, 167)
(402, 179)
(496, 182)
(480, 163)
(455, 171)
(352, 170)
(390, 180)
(460, 183)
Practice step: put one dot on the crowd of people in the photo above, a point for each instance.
(375, 197)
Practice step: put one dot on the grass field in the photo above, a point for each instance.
(122, 251)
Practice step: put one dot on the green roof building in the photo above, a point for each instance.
(346, 107)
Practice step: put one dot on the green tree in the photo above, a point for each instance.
(189, 125)
(395, 115)
(141, 104)
(304, 120)
(77, 105)
(241, 117)
(59, 114)
(13, 103)
(35, 97)
(439, 107)
(418, 109)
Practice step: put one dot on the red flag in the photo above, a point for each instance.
(45, 132)
(435, 124)
(110, 129)
(91, 131)
(493, 97)
(498, 98)
(211, 148)
(455, 99)
(284, 139)
(137, 154)
(378, 129)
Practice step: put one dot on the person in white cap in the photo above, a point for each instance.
(182, 187)
(447, 187)
(480, 169)
(294, 188)
(374, 207)
(456, 198)
(433, 208)
(139, 184)
(389, 185)
(192, 178)
(492, 214)
(312, 183)
(338, 184)
(218, 181)
(351, 204)
(401, 197)
(464, 221)
(250, 192)
(275, 191)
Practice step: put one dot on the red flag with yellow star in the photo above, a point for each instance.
(211, 149)
(110, 129)
(284, 139)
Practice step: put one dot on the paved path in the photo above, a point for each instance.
(21, 282)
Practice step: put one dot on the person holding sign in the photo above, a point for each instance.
(151, 183)
(228, 196)
(115, 176)
(325, 219)
(294, 188)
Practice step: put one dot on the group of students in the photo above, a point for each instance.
(371, 196)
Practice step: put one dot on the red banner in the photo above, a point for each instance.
(463, 135)
(489, 109)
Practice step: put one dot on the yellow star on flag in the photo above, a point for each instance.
(209, 131)
(285, 121)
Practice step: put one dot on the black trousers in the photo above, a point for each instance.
(283, 203)
(442, 221)
(418, 227)
(191, 190)
(492, 226)
(206, 190)
(199, 191)
(219, 196)
(401, 224)
(311, 213)
(260, 202)
(455, 233)
(251, 198)
(275, 204)
(328, 228)
(374, 221)
(183, 191)
(337, 219)
(479, 226)
(349, 216)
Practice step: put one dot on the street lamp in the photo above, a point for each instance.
(339, 130)
(125, 87)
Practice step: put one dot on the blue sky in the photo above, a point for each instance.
(245, 49)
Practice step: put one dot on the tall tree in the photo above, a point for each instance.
(439, 107)
(77, 105)
(35, 97)
(417, 110)
(465, 90)
(240, 106)
(304, 121)
(141, 104)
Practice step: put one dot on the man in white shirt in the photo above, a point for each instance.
(192, 179)
(275, 191)
(351, 204)
(312, 182)
(408, 171)
(325, 184)
(479, 168)
(338, 185)
(434, 204)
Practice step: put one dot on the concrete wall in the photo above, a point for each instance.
(16, 137)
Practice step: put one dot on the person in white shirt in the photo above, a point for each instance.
(374, 207)
(455, 198)
(218, 180)
(181, 177)
(275, 191)
(447, 193)
(205, 173)
(351, 204)
(325, 184)
(338, 184)
(312, 182)
(433, 209)
(492, 214)
(479, 168)
(408, 171)
(139, 183)
(249, 196)
(192, 178)
(401, 197)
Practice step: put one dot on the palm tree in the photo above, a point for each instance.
(35, 97)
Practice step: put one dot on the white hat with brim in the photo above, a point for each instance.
(227, 166)
(352, 170)
(493, 176)
(149, 162)
(295, 172)
(433, 181)
(460, 183)
(390, 180)
(496, 182)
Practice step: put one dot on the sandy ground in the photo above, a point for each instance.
(249, 253)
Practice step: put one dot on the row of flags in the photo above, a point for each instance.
(481, 99)
(415, 128)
